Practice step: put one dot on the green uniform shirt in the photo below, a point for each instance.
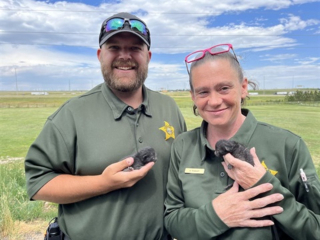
(92, 131)
(196, 177)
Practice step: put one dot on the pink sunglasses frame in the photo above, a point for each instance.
(208, 50)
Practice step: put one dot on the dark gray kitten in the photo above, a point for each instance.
(141, 158)
(241, 152)
(235, 149)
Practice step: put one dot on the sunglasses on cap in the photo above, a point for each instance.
(119, 23)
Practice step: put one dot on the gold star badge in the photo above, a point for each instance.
(273, 172)
(168, 130)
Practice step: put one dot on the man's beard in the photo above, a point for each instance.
(117, 84)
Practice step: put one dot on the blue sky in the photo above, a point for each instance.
(51, 45)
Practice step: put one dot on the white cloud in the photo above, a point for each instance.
(179, 29)
(167, 76)
(34, 35)
(295, 23)
(308, 61)
(284, 76)
(277, 57)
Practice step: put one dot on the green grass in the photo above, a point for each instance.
(19, 126)
(18, 129)
(13, 189)
(14, 203)
(26, 100)
(301, 120)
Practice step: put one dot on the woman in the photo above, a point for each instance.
(198, 204)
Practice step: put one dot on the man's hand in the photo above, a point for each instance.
(242, 172)
(236, 209)
(66, 188)
(113, 177)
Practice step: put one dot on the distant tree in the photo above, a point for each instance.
(304, 96)
(317, 95)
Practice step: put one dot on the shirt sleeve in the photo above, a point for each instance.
(301, 216)
(48, 157)
(187, 223)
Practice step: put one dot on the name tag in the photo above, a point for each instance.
(194, 170)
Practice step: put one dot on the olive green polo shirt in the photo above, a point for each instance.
(196, 177)
(92, 131)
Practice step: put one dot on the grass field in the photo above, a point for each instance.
(22, 117)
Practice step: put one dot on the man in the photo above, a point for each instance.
(79, 157)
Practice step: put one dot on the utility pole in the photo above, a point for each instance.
(264, 85)
(292, 83)
(15, 73)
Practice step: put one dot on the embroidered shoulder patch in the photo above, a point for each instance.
(273, 172)
(168, 130)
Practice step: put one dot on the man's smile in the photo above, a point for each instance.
(125, 68)
(120, 65)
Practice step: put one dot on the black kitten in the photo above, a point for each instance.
(236, 149)
(142, 157)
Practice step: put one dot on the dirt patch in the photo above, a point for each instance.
(28, 231)
(10, 159)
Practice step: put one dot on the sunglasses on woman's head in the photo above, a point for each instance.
(214, 50)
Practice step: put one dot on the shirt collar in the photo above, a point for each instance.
(243, 135)
(205, 146)
(118, 107)
(247, 129)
